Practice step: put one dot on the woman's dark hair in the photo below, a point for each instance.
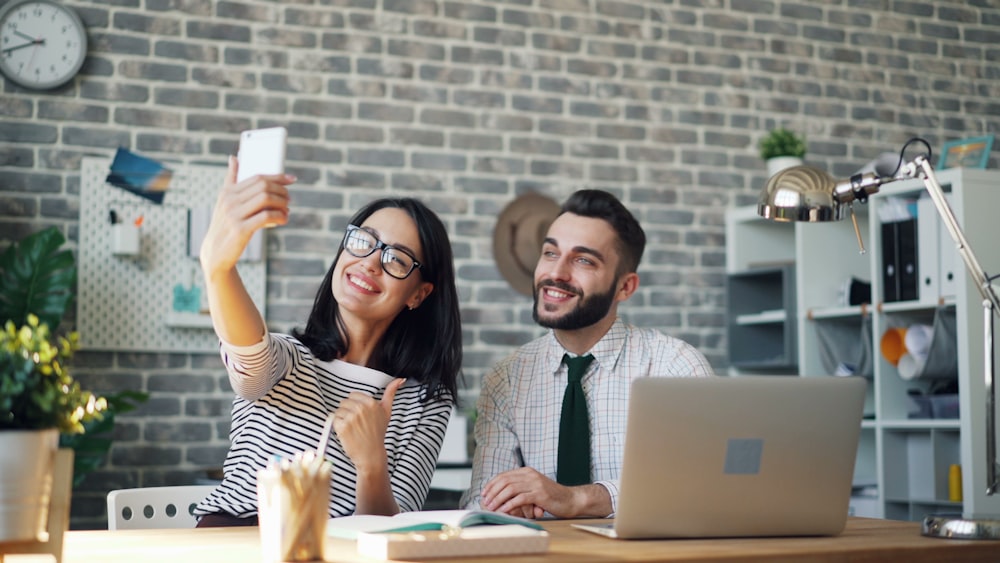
(425, 343)
(598, 204)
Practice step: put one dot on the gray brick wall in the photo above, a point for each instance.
(465, 104)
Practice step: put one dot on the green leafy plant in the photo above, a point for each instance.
(36, 390)
(37, 278)
(782, 142)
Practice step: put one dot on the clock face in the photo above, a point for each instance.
(42, 43)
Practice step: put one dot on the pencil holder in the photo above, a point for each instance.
(124, 239)
(292, 499)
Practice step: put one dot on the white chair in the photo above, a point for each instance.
(155, 507)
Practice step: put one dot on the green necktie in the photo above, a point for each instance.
(573, 467)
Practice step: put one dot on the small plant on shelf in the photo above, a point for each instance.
(782, 142)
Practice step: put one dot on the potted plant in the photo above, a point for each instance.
(38, 397)
(782, 148)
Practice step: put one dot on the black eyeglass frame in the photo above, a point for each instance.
(379, 245)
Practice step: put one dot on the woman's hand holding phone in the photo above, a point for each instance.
(254, 195)
(242, 208)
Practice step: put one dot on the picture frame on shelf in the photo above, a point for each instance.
(973, 152)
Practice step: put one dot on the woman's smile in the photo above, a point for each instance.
(363, 283)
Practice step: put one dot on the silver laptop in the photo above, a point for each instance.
(741, 456)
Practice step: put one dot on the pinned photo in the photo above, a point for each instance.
(140, 175)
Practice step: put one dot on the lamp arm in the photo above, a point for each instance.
(921, 167)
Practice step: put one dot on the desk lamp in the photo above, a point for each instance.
(807, 193)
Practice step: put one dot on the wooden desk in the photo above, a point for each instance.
(863, 540)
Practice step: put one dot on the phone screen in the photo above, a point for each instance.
(262, 151)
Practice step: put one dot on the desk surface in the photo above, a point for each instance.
(863, 540)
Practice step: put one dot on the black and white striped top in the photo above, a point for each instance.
(283, 397)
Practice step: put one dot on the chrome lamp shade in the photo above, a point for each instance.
(800, 193)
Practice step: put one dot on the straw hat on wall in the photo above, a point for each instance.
(518, 237)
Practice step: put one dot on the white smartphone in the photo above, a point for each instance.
(262, 151)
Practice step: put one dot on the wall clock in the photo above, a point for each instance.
(42, 43)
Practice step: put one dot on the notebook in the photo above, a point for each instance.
(741, 456)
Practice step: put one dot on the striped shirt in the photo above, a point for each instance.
(517, 419)
(284, 395)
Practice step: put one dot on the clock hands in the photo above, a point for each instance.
(33, 41)
(10, 50)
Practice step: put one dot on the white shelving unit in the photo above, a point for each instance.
(760, 291)
(903, 462)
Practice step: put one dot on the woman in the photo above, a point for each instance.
(381, 349)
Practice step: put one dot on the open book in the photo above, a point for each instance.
(348, 527)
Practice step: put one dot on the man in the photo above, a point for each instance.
(525, 462)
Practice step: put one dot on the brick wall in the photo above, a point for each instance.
(465, 104)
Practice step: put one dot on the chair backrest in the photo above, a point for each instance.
(155, 507)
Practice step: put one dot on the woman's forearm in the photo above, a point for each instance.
(375, 492)
(234, 314)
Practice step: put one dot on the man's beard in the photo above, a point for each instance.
(590, 310)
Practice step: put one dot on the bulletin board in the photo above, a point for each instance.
(149, 297)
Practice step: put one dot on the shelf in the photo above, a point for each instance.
(922, 424)
(838, 312)
(914, 306)
(907, 459)
(763, 317)
(779, 363)
(188, 320)
(934, 502)
(757, 242)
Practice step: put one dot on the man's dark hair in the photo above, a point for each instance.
(600, 204)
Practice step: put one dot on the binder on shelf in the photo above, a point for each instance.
(928, 251)
(890, 263)
(938, 261)
(906, 250)
(900, 268)
(950, 263)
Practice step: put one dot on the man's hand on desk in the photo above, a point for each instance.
(527, 493)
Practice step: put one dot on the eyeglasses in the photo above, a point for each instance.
(396, 262)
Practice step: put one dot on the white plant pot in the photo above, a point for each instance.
(26, 464)
(779, 163)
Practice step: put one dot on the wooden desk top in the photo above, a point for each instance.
(863, 540)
